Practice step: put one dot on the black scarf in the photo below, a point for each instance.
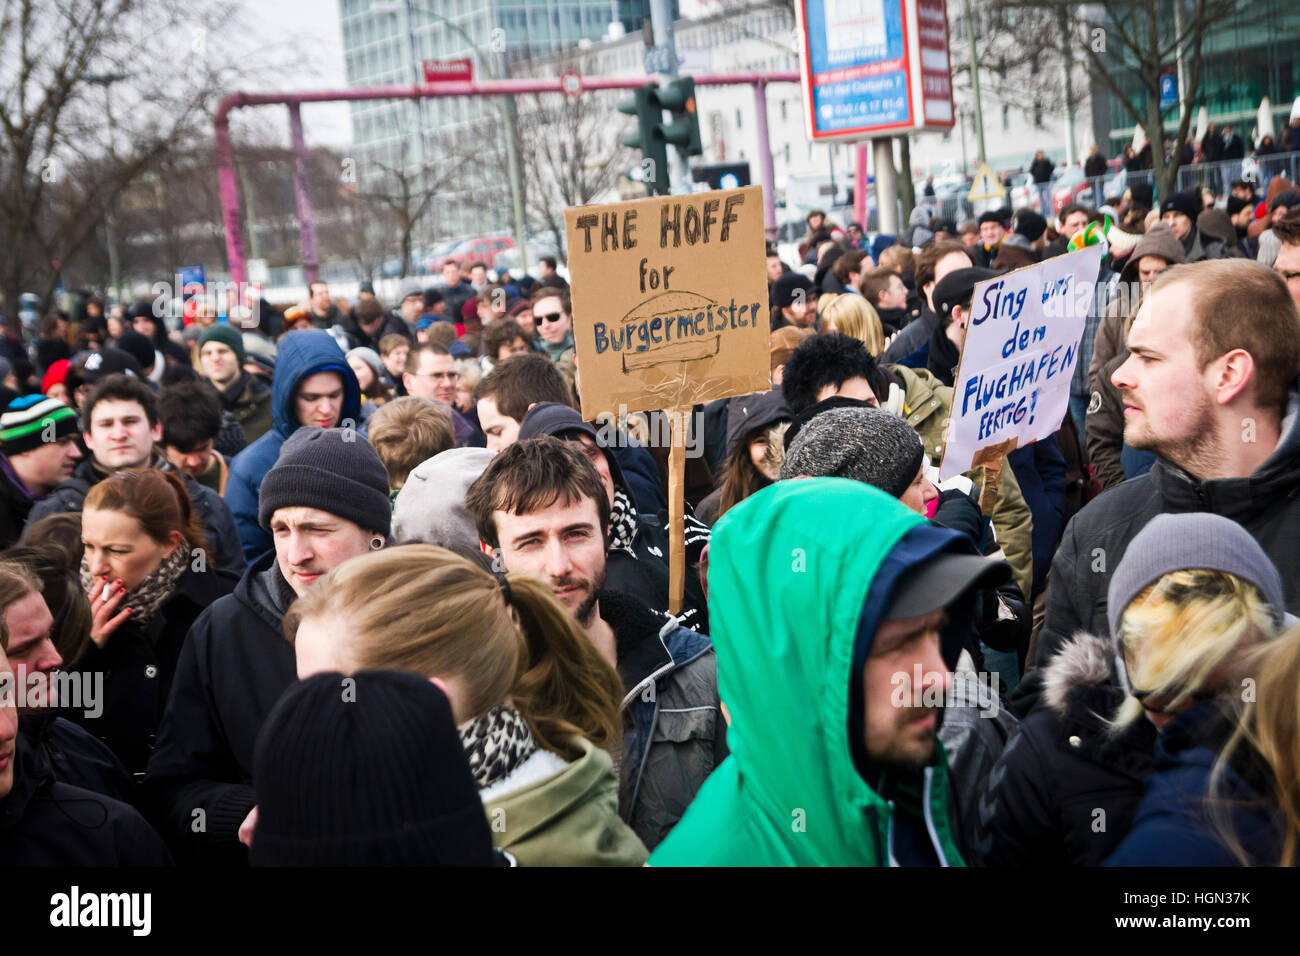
(944, 356)
(891, 320)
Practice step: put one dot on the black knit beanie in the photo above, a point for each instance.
(333, 469)
(367, 770)
(862, 444)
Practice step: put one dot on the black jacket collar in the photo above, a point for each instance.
(641, 651)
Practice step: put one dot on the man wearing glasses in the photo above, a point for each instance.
(554, 326)
(1287, 263)
(431, 373)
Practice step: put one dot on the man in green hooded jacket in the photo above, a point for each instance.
(836, 615)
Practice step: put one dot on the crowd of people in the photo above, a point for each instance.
(352, 585)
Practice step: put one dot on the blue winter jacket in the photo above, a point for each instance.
(1174, 826)
(300, 355)
(1040, 471)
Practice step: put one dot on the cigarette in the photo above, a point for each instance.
(108, 591)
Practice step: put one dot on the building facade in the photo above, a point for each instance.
(385, 42)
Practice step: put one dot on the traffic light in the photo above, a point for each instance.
(648, 137)
(677, 96)
(653, 135)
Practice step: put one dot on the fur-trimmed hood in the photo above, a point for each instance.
(1084, 661)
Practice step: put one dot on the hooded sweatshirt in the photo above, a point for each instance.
(1160, 241)
(301, 354)
(794, 614)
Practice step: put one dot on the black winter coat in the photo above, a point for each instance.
(393, 324)
(47, 823)
(645, 575)
(233, 668)
(15, 506)
(1064, 791)
(77, 757)
(139, 663)
(1267, 504)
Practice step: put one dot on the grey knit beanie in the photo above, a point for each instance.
(430, 508)
(371, 358)
(1195, 540)
(333, 469)
(863, 444)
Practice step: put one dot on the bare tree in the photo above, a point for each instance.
(1123, 41)
(573, 155)
(404, 193)
(84, 112)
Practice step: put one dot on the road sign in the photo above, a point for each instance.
(192, 280)
(571, 82)
(659, 59)
(874, 67)
(444, 71)
(1168, 91)
(986, 185)
(721, 175)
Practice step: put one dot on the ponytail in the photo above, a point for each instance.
(567, 687)
(192, 527)
(425, 610)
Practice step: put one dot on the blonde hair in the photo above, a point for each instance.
(471, 373)
(1181, 636)
(854, 316)
(1270, 724)
(425, 610)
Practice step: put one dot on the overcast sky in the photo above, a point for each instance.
(308, 33)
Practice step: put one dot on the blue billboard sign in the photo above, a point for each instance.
(856, 67)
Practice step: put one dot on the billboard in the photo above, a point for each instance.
(874, 67)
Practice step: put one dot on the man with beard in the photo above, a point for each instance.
(835, 684)
(541, 509)
(1210, 388)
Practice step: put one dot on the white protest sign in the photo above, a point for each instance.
(1022, 344)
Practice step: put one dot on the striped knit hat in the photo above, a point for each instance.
(25, 423)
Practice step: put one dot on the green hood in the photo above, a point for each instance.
(786, 618)
(569, 819)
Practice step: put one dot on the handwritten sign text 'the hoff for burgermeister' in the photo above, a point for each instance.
(669, 300)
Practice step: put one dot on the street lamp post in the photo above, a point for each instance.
(505, 110)
(106, 80)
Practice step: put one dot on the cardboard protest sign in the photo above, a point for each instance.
(669, 300)
(1022, 344)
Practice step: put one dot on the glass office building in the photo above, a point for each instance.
(1245, 59)
(386, 41)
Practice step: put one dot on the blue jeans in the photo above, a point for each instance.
(1003, 663)
(1079, 412)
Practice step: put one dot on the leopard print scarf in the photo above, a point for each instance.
(146, 597)
(496, 744)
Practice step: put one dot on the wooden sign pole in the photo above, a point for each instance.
(677, 509)
(992, 458)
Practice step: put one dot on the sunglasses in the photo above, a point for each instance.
(549, 317)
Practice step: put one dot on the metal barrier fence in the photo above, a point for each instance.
(1220, 176)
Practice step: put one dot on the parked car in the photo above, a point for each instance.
(483, 250)
(1071, 186)
(1023, 193)
(539, 244)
